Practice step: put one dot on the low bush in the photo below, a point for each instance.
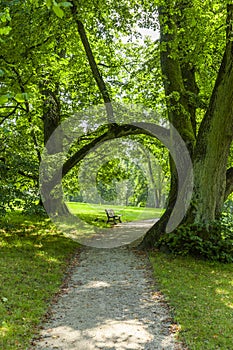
(212, 242)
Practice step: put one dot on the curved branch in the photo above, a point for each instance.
(115, 131)
(112, 133)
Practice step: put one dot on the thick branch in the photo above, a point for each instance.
(214, 138)
(113, 132)
(51, 116)
(93, 65)
(177, 102)
(223, 88)
(188, 74)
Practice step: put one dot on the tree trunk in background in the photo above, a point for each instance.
(52, 193)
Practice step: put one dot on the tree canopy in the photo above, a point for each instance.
(61, 58)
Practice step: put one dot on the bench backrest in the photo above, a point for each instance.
(110, 213)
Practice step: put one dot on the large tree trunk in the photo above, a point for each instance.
(211, 149)
(214, 140)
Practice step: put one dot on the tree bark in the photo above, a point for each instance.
(52, 199)
(214, 140)
(211, 148)
(178, 111)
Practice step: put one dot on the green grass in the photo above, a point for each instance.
(201, 295)
(33, 259)
(91, 212)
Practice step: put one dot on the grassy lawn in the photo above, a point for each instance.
(201, 295)
(91, 212)
(33, 259)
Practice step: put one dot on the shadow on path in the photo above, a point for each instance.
(111, 303)
(119, 235)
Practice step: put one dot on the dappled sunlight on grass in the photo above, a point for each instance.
(33, 259)
(202, 296)
(4, 329)
(48, 258)
(225, 296)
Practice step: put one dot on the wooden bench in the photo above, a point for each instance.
(111, 216)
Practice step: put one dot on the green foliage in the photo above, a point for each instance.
(5, 19)
(114, 172)
(49, 61)
(50, 64)
(18, 169)
(57, 7)
(8, 195)
(212, 242)
(108, 175)
(3, 99)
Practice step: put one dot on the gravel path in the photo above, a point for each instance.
(119, 235)
(110, 303)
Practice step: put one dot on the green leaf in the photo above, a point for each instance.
(48, 3)
(21, 97)
(5, 16)
(58, 11)
(3, 99)
(4, 299)
(65, 4)
(5, 30)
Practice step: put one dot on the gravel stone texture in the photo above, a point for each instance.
(110, 302)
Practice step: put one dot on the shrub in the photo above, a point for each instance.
(212, 242)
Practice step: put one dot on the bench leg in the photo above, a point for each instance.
(111, 219)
